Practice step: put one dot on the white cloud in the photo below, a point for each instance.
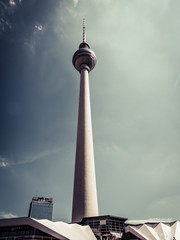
(149, 220)
(75, 2)
(29, 45)
(7, 215)
(3, 162)
(12, 3)
(31, 42)
(38, 27)
(42, 155)
(39, 156)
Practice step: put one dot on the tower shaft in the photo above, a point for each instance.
(85, 194)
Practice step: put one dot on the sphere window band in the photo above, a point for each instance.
(84, 56)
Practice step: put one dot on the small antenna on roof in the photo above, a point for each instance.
(84, 30)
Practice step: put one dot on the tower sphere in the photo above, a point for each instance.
(84, 56)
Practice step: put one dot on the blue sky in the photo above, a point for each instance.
(135, 100)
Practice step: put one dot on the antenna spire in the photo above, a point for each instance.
(84, 44)
(84, 30)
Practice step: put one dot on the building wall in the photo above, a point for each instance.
(41, 209)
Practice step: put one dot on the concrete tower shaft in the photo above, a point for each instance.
(85, 193)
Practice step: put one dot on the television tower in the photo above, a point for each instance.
(85, 193)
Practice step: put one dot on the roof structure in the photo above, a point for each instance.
(102, 217)
(59, 230)
(155, 230)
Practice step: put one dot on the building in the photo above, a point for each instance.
(29, 228)
(41, 208)
(85, 194)
(152, 230)
(90, 225)
(101, 228)
(106, 227)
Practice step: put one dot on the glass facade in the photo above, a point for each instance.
(41, 208)
(106, 227)
(23, 232)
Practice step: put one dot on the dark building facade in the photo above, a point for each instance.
(106, 227)
(26, 228)
(41, 208)
(23, 232)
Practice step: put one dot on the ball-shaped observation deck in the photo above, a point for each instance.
(84, 56)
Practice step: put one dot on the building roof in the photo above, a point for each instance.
(103, 217)
(60, 230)
(42, 199)
(151, 220)
(155, 230)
